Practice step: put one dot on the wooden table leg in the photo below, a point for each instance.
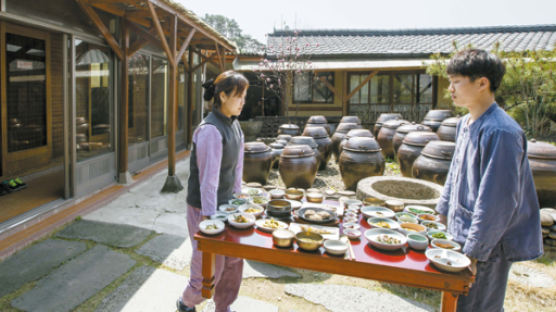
(208, 275)
(449, 302)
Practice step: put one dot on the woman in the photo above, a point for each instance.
(212, 181)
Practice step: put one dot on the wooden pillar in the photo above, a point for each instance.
(190, 99)
(123, 174)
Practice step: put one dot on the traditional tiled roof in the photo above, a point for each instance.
(413, 42)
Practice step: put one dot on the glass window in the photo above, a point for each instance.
(309, 88)
(380, 89)
(182, 96)
(302, 87)
(138, 98)
(403, 88)
(159, 98)
(354, 81)
(93, 80)
(26, 92)
(424, 93)
(321, 91)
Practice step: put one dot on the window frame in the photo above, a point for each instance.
(312, 85)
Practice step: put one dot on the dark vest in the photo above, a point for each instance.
(230, 131)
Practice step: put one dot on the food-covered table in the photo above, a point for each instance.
(405, 267)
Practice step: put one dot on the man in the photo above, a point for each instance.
(489, 200)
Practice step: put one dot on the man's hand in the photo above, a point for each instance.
(473, 266)
(442, 219)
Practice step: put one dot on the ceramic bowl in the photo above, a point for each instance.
(314, 197)
(417, 241)
(294, 194)
(376, 212)
(352, 234)
(385, 238)
(433, 225)
(237, 201)
(432, 234)
(445, 244)
(447, 260)
(406, 217)
(383, 223)
(247, 220)
(227, 208)
(253, 209)
(351, 226)
(416, 209)
(308, 240)
(408, 228)
(277, 193)
(335, 247)
(283, 237)
(426, 217)
(211, 227)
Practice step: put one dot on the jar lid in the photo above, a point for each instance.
(276, 145)
(317, 119)
(541, 150)
(439, 149)
(316, 132)
(362, 144)
(345, 127)
(255, 147)
(450, 122)
(350, 119)
(384, 117)
(303, 139)
(394, 123)
(404, 129)
(359, 133)
(289, 126)
(285, 137)
(438, 114)
(297, 151)
(420, 138)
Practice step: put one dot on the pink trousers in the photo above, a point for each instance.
(228, 272)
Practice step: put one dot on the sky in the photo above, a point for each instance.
(257, 18)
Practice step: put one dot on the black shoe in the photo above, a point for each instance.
(183, 308)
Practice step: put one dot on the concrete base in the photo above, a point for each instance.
(172, 185)
(124, 178)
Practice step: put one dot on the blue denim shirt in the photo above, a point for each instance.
(489, 196)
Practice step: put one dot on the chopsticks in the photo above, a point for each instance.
(349, 255)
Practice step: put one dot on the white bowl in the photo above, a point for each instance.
(447, 260)
(251, 191)
(351, 226)
(249, 206)
(265, 225)
(431, 232)
(219, 215)
(227, 208)
(433, 225)
(352, 234)
(377, 212)
(445, 244)
(211, 223)
(241, 225)
(277, 194)
(335, 247)
(349, 202)
(417, 241)
(392, 225)
(406, 217)
(259, 200)
(408, 228)
(376, 238)
(416, 209)
(296, 204)
(237, 201)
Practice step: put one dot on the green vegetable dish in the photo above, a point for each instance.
(439, 235)
(418, 211)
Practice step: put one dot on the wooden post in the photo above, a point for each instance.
(190, 99)
(449, 302)
(208, 275)
(172, 184)
(124, 108)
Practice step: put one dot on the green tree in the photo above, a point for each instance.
(528, 90)
(231, 30)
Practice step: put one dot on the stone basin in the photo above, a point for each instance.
(409, 190)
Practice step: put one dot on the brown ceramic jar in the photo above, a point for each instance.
(291, 129)
(324, 143)
(355, 133)
(307, 140)
(257, 160)
(542, 159)
(384, 117)
(434, 118)
(318, 121)
(360, 158)
(386, 135)
(277, 149)
(340, 134)
(411, 148)
(434, 162)
(298, 166)
(350, 119)
(402, 131)
(447, 129)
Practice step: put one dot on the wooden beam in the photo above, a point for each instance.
(137, 45)
(124, 107)
(327, 84)
(102, 28)
(185, 44)
(156, 21)
(220, 61)
(172, 96)
(148, 34)
(190, 100)
(203, 62)
(371, 75)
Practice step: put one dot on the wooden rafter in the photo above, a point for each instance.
(165, 46)
(185, 44)
(136, 46)
(203, 62)
(148, 34)
(369, 77)
(102, 28)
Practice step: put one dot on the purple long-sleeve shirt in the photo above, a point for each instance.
(208, 142)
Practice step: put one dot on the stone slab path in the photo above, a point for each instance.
(124, 236)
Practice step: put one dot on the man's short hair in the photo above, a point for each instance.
(476, 63)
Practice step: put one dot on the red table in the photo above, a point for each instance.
(411, 268)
